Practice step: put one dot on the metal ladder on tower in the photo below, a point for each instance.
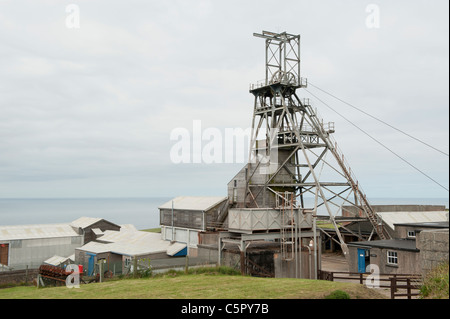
(287, 226)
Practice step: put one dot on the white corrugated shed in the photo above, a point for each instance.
(58, 260)
(128, 242)
(391, 218)
(36, 231)
(201, 203)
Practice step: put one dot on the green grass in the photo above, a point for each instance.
(152, 230)
(338, 294)
(435, 284)
(212, 283)
(325, 225)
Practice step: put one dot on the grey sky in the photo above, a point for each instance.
(87, 112)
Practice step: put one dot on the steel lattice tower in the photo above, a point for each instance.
(292, 151)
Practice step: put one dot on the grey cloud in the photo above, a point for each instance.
(89, 111)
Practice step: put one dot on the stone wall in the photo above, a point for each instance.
(433, 245)
(18, 276)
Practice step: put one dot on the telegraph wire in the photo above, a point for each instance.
(379, 120)
(373, 138)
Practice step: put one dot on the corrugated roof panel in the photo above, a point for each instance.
(147, 246)
(391, 218)
(36, 231)
(201, 203)
(84, 222)
(97, 231)
(175, 248)
(58, 260)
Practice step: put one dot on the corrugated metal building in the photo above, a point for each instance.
(389, 219)
(29, 246)
(90, 227)
(400, 254)
(25, 246)
(184, 217)
(119, 248)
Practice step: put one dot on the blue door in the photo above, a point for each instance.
(361, 260)
(90, 264)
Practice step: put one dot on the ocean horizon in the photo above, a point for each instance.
(143, 213)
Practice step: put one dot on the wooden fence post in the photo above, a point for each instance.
(393, 287)
(243, 264)
(408, 288)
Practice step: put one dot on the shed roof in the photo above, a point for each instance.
(202, 203)
(400, 244)
(58, 260)
(36, 231)
(426, 224)
(391, 218)
(128, 242)
(84, 222)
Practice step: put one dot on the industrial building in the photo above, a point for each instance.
(391, 220)
(405, 253)
(118, 249)
(28, 246)
(184, 218)
(293, 155)
(266, 226)
(356, 228)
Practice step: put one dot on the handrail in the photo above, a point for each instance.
(302, 82)
(413, 281)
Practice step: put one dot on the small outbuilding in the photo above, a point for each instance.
(392, 256)
(405, 254)
(183, 218)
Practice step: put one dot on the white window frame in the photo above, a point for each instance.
(411, 234)
(392, 257)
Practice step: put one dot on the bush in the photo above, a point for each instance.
(218, 270)
(338, 294)
(435, 283)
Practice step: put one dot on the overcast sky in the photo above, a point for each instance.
(88, 111)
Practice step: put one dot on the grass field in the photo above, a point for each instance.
(195, 286)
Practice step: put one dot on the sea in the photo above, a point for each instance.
(143, 213)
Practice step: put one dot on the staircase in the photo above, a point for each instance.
(339, 156)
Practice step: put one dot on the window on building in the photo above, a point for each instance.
(411, 234)
(392, 258)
